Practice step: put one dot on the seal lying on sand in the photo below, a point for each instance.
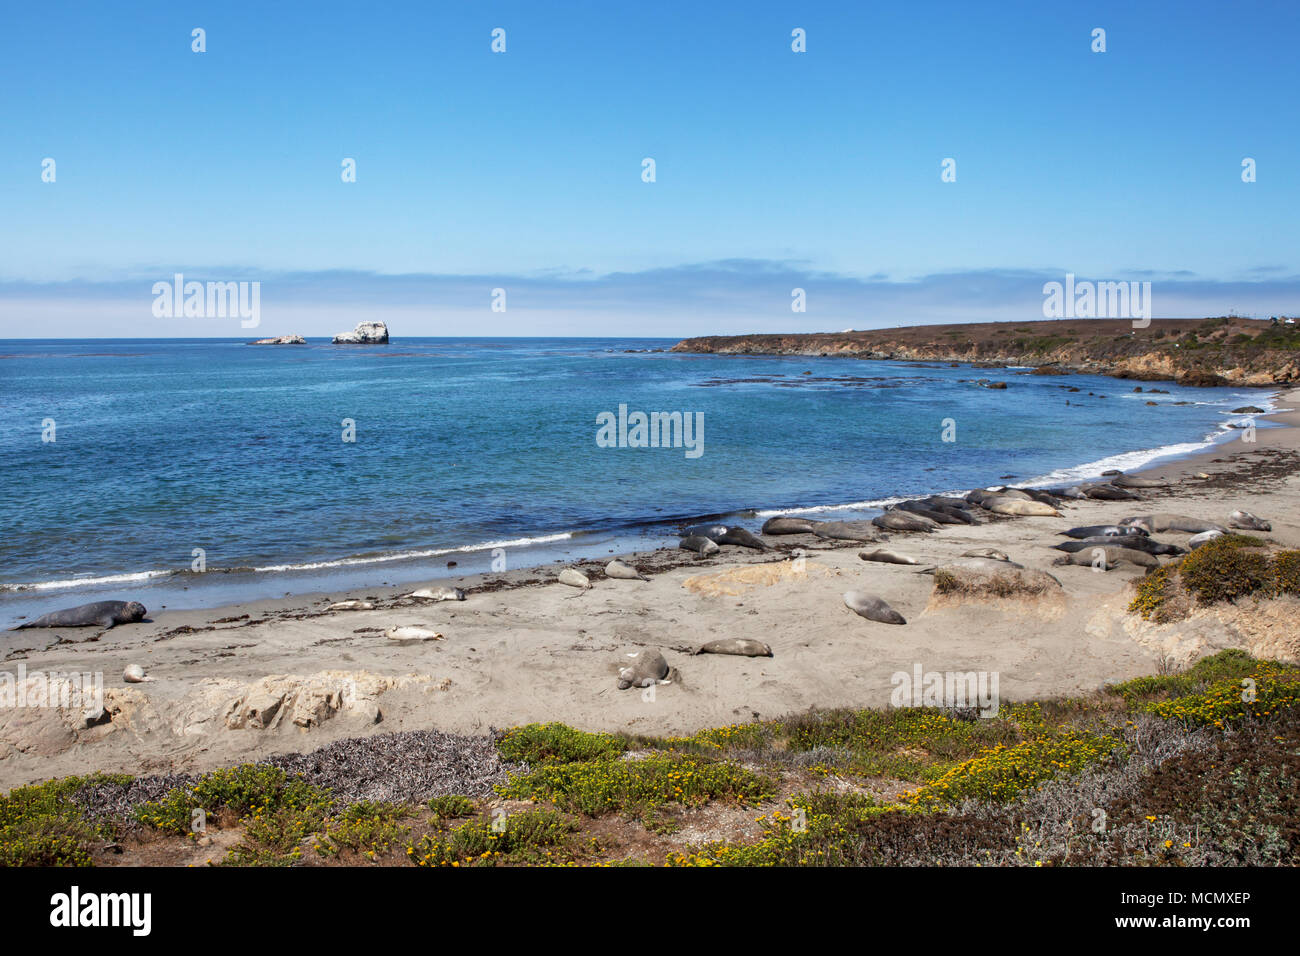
(740, 646)
(1137, 542)
(1019, 506)
(1098, 530)
(993, 553)
(1163, 521)
(699, 544)
(617, 569)
(1108, 492)
(1128, 481)
(100, 614)
(785, 525)
(1247, 522)
(916, 508)
(439, 594)
(871, 607)
(574, 578)
(904, 521)
(741, 537)
(711, 531)
(985, 565)
(1205, 537)
(648, 667)
(846, 530)
(1107, 557)
(886, 557)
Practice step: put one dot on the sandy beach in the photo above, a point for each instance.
(241, 682)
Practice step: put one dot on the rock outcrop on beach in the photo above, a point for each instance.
(281, 340)
(1199, 352)
(366, 333)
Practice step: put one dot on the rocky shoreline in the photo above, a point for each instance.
(1196, 352)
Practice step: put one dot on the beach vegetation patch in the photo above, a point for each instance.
(370, 828)
(41, 825)
(236, 791)
(556, 743)
(638, 788)
(529, 837)
(1225, 569)
(451, 807)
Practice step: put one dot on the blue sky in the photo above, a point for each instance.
(522, 170)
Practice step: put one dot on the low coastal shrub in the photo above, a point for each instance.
(1230, 664)
(1233, 566)
(41, 825)
(638, 787)
(911, 743)
(1003, 773)
(1225, 568)
(529, 837)
(239, 791)
(369, 827)
(556, 743)
(1268, 689)
(452, 806)
(753, 736)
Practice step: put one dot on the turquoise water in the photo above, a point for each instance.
(466, 445)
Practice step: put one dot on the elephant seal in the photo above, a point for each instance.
(903, 521)
(100, 614)
(1006, 492)
(1128, 481)
(1164, 521)
(134, 674)
(1101, 556)
(1205, 537)
(1043, 497)
(351, 606)
(1135, 542)
(871, 607)
(439, 594)
(739, 646)
(1098, 530)
(700, 545)
(785, 525)
(961, 515)
(986, 565)
(914, 508)
(936, 501)
(711, 531)
(574, 578)
(1019, 507)
(1246, 521)
(741, 537)
(886, 557)
(617, 569)
(412, 633)
(846, 530)
(992, 553)
(647, 669)
(1108, 492)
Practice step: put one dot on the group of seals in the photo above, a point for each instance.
(104, 614)
(695, 537)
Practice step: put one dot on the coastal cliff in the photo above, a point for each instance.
(1216, 351)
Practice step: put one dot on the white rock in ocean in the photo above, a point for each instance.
(366, 333)
(281, 340)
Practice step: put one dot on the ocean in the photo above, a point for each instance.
(191, 473)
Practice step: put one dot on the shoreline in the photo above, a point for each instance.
(225, 588)
(523, 648)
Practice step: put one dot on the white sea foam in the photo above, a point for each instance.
(310, 566)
